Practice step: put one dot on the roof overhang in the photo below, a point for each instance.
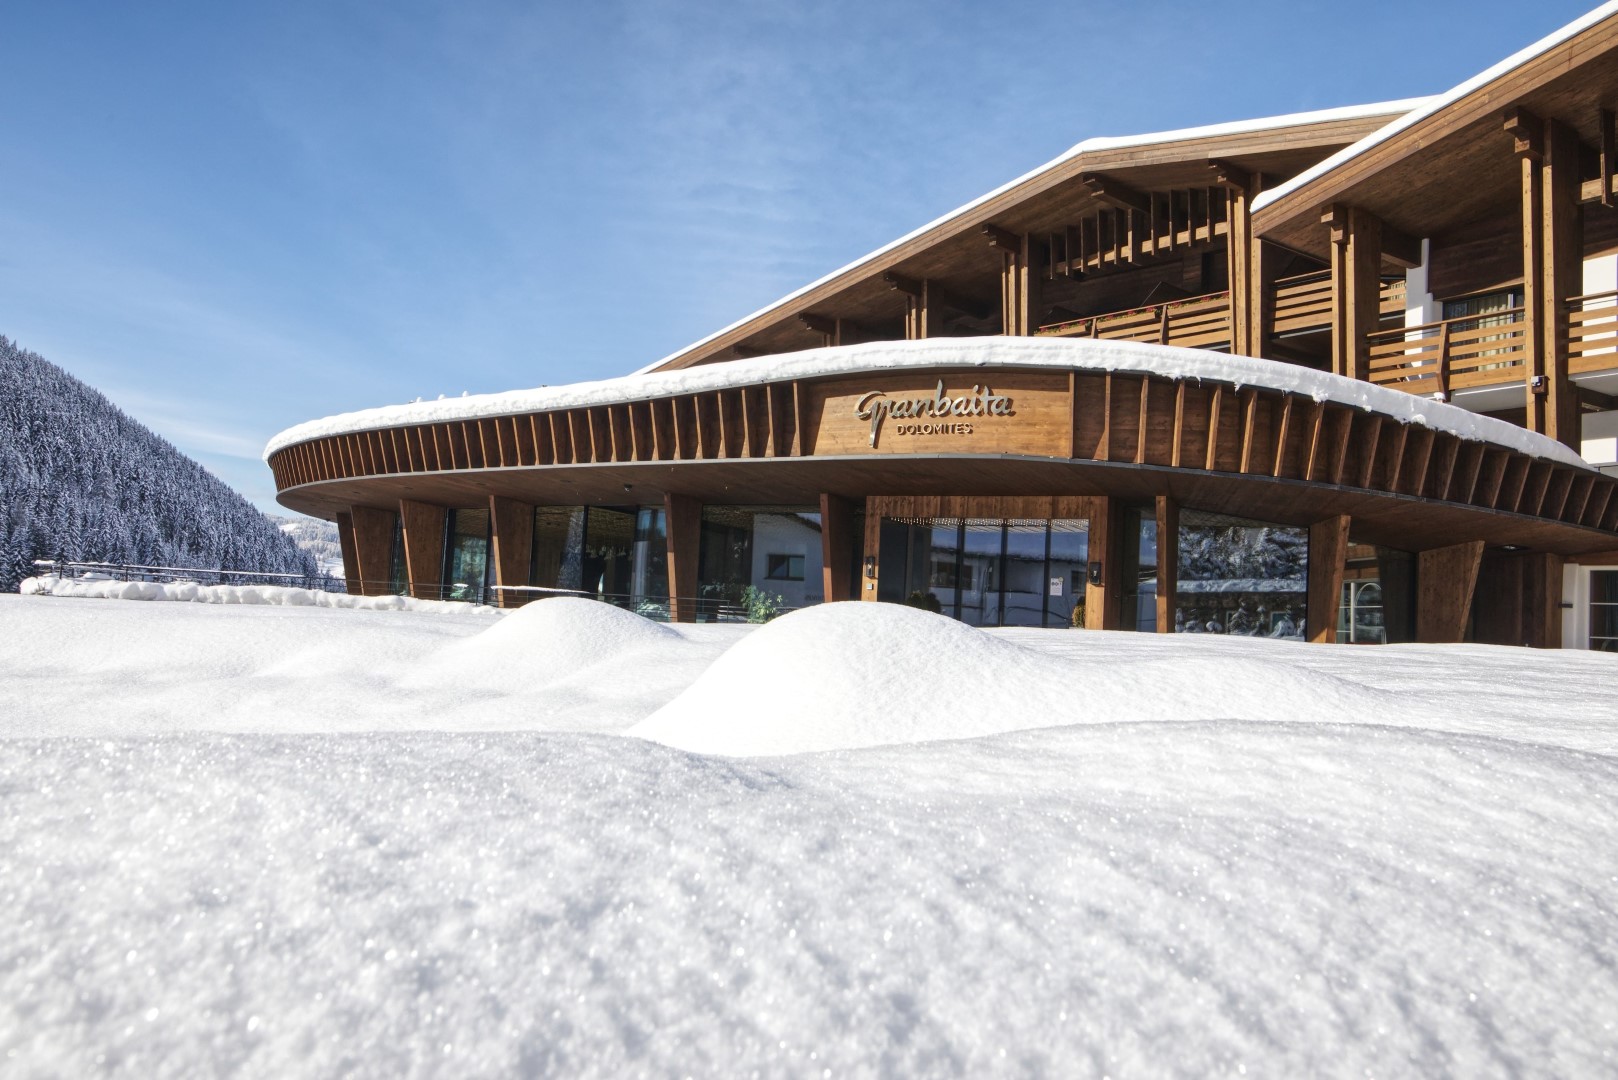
(1451, 161)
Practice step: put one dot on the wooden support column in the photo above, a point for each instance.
(1168, 562)
(1103, 600)
(1244, 259)
(1562, 247)
(870, 563)
(1543, 601)
(351, 561)
(1356, 279)
(1445, 579)
(511, 525)
(683, 520)
(1021, 280)
(424, 547)
(1548, 153)
(837, 547)
(1328, 547)
(373, 548)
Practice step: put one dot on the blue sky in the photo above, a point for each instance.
(231, 217)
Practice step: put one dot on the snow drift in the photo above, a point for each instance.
(877, 674)
(255, 840)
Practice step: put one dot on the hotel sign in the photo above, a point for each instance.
(939, 414)
(922, 412)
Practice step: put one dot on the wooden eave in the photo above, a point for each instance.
(955, 253)
(1457, 165)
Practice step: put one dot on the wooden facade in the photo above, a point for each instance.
(1370, 267)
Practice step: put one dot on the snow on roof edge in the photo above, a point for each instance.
(1083, 354)
(1091, 145)
(1435, 104)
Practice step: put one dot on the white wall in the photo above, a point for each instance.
(1420, 307)
(777, 534)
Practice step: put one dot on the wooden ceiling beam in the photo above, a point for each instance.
(899, 283)
(1400, 248)
(1116, 193)
(1527, 130)
(820, 324)
(937, 294)
(1230, 176)
(1003, 240)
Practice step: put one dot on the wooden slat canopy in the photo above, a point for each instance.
(1263, 453)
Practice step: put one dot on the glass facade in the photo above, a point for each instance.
(400, 574)
(775, 549)
(617, 554)
(466, 556)
(987, 571)
(1378, 599)
(1604, 610)
(1139, 608)
(1249, 578)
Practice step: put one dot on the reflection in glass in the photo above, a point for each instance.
(1236, 576)
(987, 571)
(1377, 601)
(1139, 607)
(466, 556)
(1604, 610)
(774, 549)
(979, 576)
(1067, 572)
(1025, 585)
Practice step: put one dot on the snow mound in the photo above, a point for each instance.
(847, 675)
(555, 637)
(271, 595)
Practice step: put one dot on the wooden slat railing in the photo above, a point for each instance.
(1592, 332)
(1199, 322)
(1452, 354)
(1304, 302)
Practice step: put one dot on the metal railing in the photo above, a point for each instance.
(109, 571)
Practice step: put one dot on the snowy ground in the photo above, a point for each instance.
(275, 841)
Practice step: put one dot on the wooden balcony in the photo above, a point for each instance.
(1303, 303)
(1452, 354)
(1199, 322)
(1592, 333)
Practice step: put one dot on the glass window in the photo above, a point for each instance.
(987, 572)
(1376, 606)
(1023, 594)
(983, 544)
(649, 585)
(609, 553)
(401, 575)
(774, 549)
(558, 558)
(1243, 577)
(1140, 569)
(1067, 573)
(1604, 610)
(466, 556)
(780, 566)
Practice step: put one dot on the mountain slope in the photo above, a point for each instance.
(79, 479)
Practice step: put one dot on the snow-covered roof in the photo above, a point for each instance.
(1088, 146)
(1429, 106)
(1082, 354)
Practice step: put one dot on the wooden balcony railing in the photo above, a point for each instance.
(1592, 332)
(1303, 303)
(1453, 354)
(1200, 322)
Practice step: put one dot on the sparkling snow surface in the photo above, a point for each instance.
(272, 841)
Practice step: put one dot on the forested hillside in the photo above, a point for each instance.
(81, 480)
